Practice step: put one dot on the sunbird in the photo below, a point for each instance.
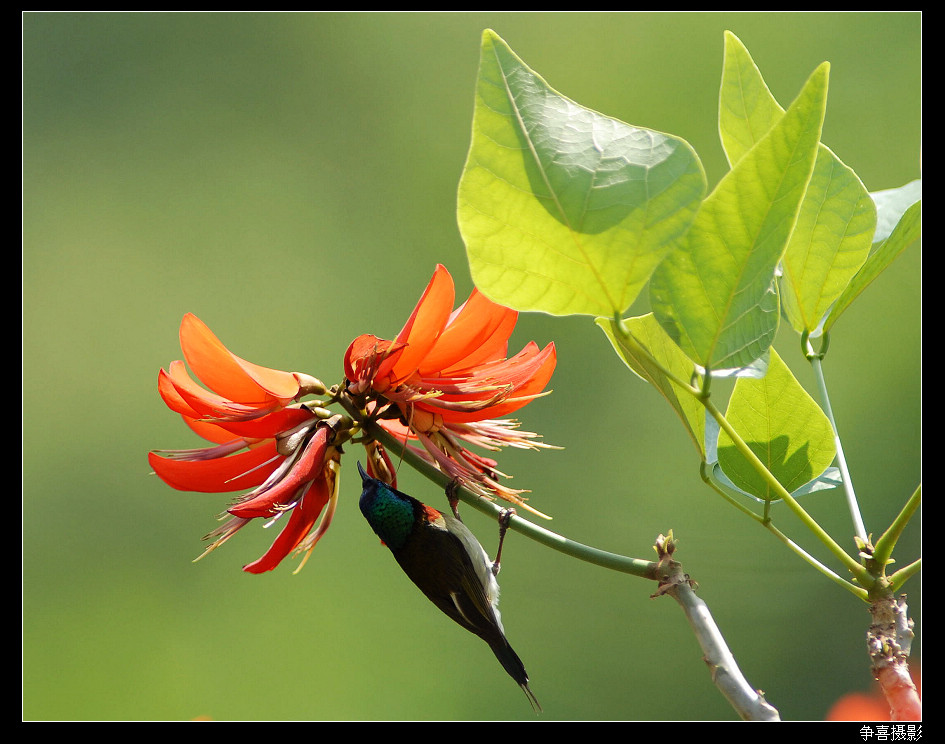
(445, 560)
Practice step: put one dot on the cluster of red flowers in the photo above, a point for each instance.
(262, 440)
(450, 378)
(441, 383)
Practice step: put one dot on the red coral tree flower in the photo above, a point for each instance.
(449, 377)
(261, 438)
(442, 383)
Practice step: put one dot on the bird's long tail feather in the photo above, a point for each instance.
(516, 669)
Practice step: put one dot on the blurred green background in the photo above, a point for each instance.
(291, 179)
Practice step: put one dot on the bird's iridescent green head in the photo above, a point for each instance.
(389, 512)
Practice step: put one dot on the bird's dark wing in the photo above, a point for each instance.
(458, 582)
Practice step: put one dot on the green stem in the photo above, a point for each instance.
(900, 577)
(852, 504)
(706, 478)
(858, 571)
(603, 558)
(885, 544)
(791, 545)
(686, 385)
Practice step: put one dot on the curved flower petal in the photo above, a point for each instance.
(494, 389)
(268, 426)
(266, 502)
(171, 396)
(477, 332)
(370, 361)
(234, 473)
(425, 324)
(210, 432)
(301, 521)
(229, 375)
(264, 442)
(185, 396)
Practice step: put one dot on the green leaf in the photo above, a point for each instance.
(900, 207)
(834, 228)
(562, 209)
(783, 426)
(714, 294)
(650, 353)
(830, 242)
(747, 110)
(827, 481)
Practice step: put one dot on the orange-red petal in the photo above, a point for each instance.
(210, 432)
(527, 373)
(477, 332)
(234, 473)
(372, 359)
(251, 431)
(301, 521)
(306, 469)
(170, 394)
(425, 324)
(227, 374)
(185, 396)
(269, 425)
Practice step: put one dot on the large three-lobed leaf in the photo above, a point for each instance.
(565, 210)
